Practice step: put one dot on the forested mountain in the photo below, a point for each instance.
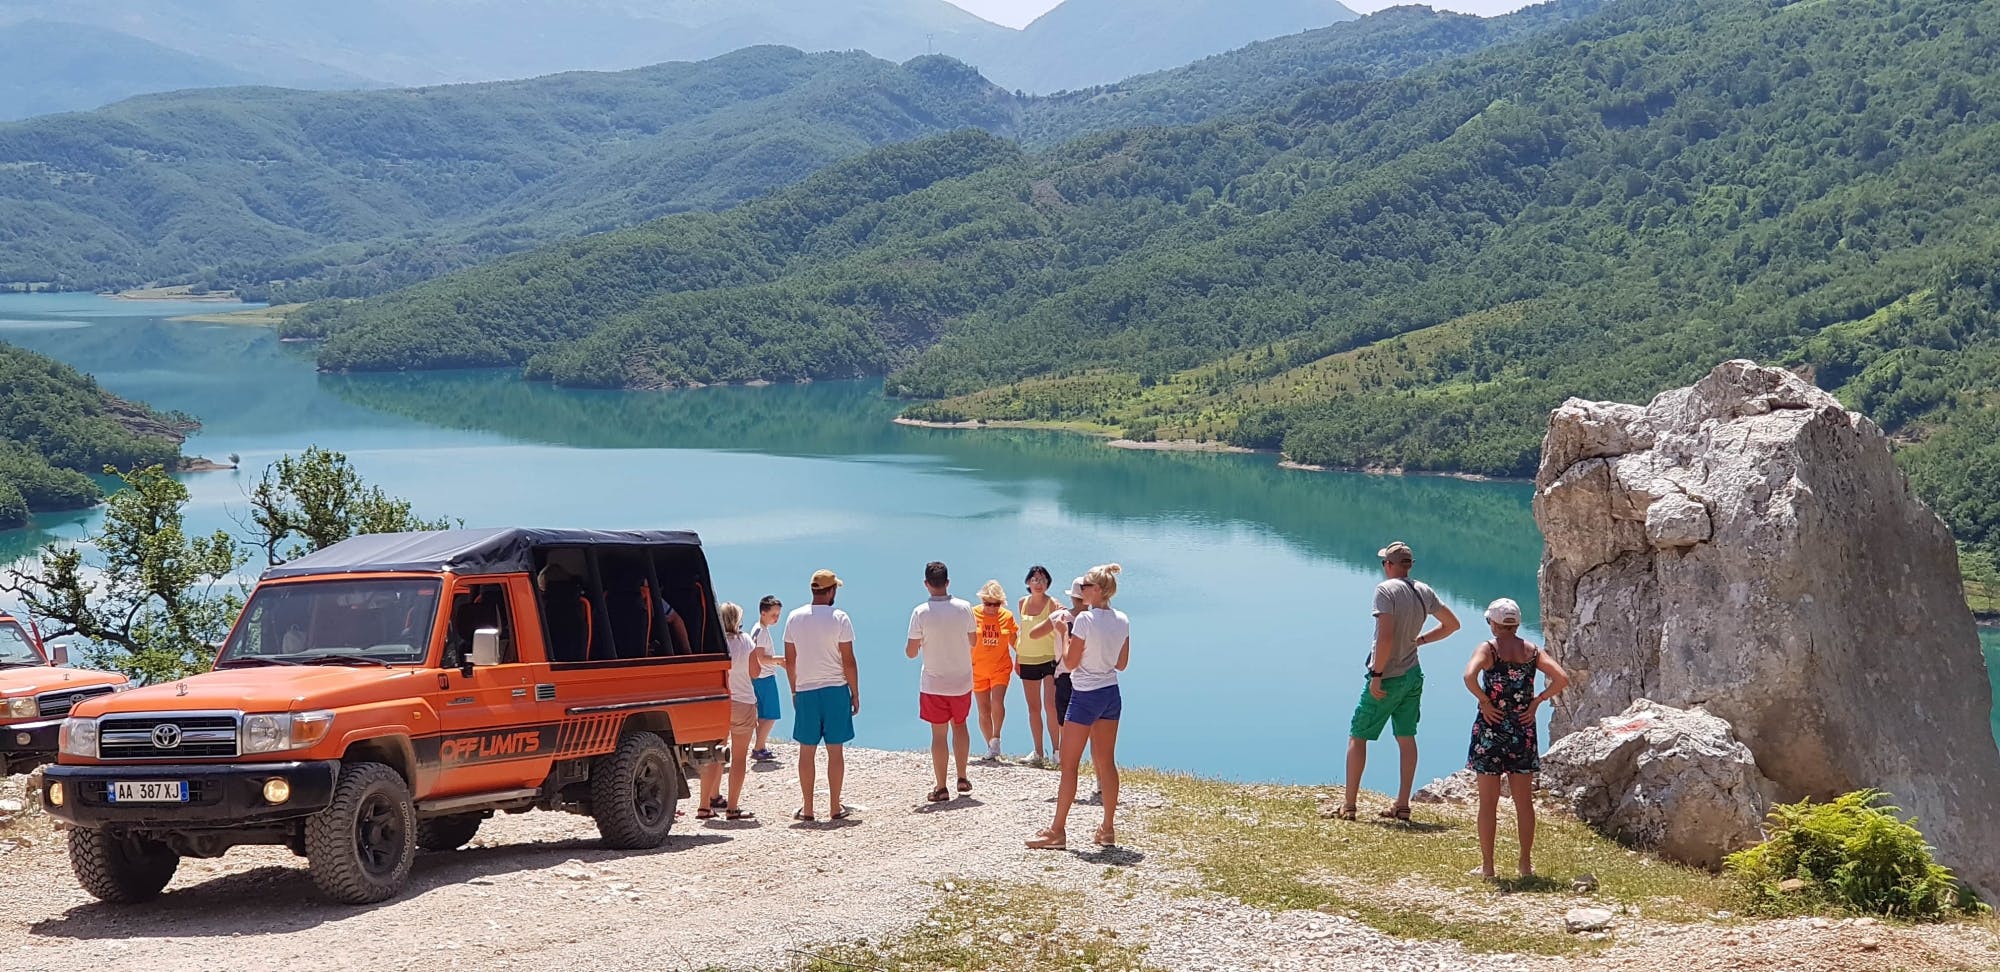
(439, 177)
(48, 67)
(56, 425)
(1082, 43)
(1404, 272)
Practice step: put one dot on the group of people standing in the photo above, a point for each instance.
(1068, 659)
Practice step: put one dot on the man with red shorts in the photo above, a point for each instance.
(942, 630)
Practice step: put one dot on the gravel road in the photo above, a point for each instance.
(535, 892)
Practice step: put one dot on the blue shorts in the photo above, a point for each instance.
(1094, 705)
(823, 715)
(767, 697)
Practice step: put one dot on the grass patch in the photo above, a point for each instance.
(1982, 581)
(986, 926)
(1269, 847)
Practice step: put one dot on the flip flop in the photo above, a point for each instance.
(1048, 841)
(1107, 836)
(739, 814)
(939, 795)
(964, 785)
(841, 814)
(802, 816)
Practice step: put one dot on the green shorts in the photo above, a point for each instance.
(1405, 693)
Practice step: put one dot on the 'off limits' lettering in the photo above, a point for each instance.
(467, 749)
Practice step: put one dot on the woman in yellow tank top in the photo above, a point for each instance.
(1037, 661)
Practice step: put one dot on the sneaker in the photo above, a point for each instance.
(1033, 761)
(993, 750)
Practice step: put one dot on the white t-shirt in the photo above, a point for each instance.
(740, 689)
(814, 633)
(944, 625)
(761, 637)
(1061, 616)
(1104, 632)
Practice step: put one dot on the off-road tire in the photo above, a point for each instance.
(360, 848)
(448, 833)
(120, 870)
(633, 792)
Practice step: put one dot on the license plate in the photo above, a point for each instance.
(149, 791)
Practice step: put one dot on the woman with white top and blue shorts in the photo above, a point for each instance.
(1098, 647)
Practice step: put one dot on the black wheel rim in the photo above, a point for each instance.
(649, 790)
(378, 835)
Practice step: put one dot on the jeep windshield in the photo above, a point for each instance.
(15, 648)
(335, 622)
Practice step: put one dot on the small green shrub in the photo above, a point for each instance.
(1852, 854)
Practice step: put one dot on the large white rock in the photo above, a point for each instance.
(1675, 781)
(1749, 546)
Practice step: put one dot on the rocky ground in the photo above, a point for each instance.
(535, 892)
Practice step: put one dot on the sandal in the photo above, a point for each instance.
(1395, 813)
(718, 803)
(802, 816)
(1048, 840)
(1107, 836)
(964, 785)
(939, 795)
(1346, 813)
(841, 814)
(739, 815)
(704, 814)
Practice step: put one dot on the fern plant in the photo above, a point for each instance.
(1850, 854)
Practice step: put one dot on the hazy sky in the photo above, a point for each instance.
(1017, 13)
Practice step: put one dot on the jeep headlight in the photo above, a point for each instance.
(278, 731)
(21, 708)
(78, 737)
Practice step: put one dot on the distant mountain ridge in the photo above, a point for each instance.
(371, 43)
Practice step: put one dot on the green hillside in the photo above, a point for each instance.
(56, 425)
(1393, 272)
(433, 178)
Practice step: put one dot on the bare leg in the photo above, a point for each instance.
(711, 784)
(1489, 815)
(1072, 760)
(985, 716)
(1053, 718)
(1523, 785)
(1407, 746)
(1104, 757)
(764, 734)
(808, 770)
(962, 738)
(938, 753)
(998, 706)
(836, 774)
(739, 760)
(1031, 693)
(1357, 760)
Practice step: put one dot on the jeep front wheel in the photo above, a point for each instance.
(448, 833)
(360, 848)
(120, 869)
(633, 792)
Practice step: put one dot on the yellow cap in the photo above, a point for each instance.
(824, 580)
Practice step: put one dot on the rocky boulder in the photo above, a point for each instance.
(1673, 781)
(1461, 787)
(1749, 546)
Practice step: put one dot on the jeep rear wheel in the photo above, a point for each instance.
(448, 833)
(120, 869)
(360, 848)
(633, 792)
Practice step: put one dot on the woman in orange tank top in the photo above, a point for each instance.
(992, 662)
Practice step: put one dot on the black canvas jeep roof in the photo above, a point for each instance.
(504, 550)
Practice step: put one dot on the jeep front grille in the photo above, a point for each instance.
(168, 736)
(58, 703)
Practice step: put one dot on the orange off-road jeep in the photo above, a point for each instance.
(36, 691)
(390, 692)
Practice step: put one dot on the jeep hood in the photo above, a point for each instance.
(41, 678)
(264, 689)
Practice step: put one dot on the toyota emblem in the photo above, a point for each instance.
(76, 700)
(166, 735)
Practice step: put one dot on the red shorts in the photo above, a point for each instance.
(941, 710)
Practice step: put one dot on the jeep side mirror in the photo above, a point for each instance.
(59, 655)
(486, 646)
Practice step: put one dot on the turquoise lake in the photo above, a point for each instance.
(1248, 585)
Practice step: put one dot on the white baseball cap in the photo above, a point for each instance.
(1504, 611)
(1076, 588)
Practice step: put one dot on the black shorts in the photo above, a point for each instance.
(1037, 671)
(1062, 696)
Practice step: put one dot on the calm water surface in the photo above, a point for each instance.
(1248, 585)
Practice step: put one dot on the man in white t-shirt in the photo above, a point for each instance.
(826, 690)
(942, 630)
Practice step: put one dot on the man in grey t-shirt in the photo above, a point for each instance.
(1395, 681)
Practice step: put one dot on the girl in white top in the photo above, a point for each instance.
(1097, 647)
(746, 658)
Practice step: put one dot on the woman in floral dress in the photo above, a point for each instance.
(1502, 677)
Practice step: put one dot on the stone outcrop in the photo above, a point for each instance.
(1461, 787)
(1674, 781)
(1749, 546)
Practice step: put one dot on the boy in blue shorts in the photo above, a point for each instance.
(826, 691)
(766, 683)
